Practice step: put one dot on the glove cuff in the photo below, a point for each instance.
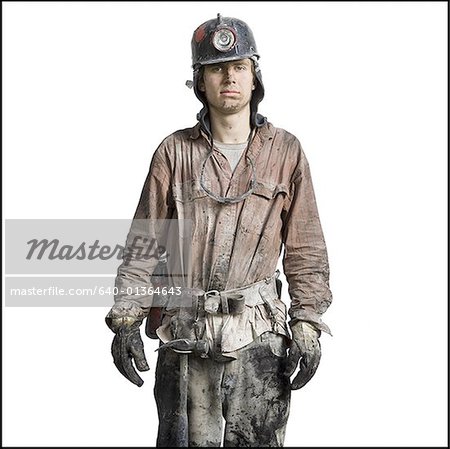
(301, 329)
(124, 314)
(311, 317)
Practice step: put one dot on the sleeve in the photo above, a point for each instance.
(146, 235)
(305, 259)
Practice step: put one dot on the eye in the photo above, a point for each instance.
(241, 67)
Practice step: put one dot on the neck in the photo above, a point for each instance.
(230, 128)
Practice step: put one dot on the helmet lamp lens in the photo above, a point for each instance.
(224, 39)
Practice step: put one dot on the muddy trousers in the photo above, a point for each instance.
(250, 394)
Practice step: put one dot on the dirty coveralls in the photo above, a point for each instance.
(233, 246)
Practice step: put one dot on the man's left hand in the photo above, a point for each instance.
(304, 352)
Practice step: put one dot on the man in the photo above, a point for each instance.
(246, 188)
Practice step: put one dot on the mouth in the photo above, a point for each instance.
(229, 92)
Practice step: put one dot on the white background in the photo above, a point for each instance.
(89, 91)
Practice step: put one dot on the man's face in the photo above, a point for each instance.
(228, 85)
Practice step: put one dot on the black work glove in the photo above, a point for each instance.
(304, 352)
(127, 343)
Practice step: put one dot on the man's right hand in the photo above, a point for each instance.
(126, 346)
(124, 320)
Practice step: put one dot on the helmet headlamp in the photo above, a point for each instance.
(224, 39)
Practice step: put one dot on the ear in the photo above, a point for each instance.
(201, 86)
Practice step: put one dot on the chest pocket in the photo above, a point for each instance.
(188, 191)
(261, 213)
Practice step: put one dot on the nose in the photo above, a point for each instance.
(229, 74)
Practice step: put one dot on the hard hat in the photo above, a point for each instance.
(222, 39)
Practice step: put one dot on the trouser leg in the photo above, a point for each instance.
(257, 394)
(204, 408)
(167, 396)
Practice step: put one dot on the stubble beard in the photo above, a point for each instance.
(231, 107)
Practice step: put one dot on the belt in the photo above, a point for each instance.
(231, 301)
